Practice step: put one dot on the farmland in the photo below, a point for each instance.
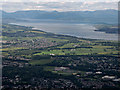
(75, 62)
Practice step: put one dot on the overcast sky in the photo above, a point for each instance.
(61, 5)
(58, 0)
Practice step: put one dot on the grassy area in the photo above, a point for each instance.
(49, 68)
(38, 32)
(41, 62)
(62, 72)
(11, 48)
(79, 51)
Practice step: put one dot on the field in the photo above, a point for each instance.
(40, 62)
(75, 49)
(61, 71)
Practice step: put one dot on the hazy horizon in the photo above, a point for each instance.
(56, 11)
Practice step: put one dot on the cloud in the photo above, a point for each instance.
(59, 0)
(59, 6)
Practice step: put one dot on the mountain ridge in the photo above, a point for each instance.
(98, 16)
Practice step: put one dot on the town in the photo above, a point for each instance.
(34, 59)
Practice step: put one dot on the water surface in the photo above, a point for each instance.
(73, 29)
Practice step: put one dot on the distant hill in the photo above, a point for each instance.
(99, 16)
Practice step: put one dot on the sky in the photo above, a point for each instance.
(58, 0)
(58, 5)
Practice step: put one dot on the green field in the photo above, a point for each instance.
(62, 72)
(71, 50)
(40, 62)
